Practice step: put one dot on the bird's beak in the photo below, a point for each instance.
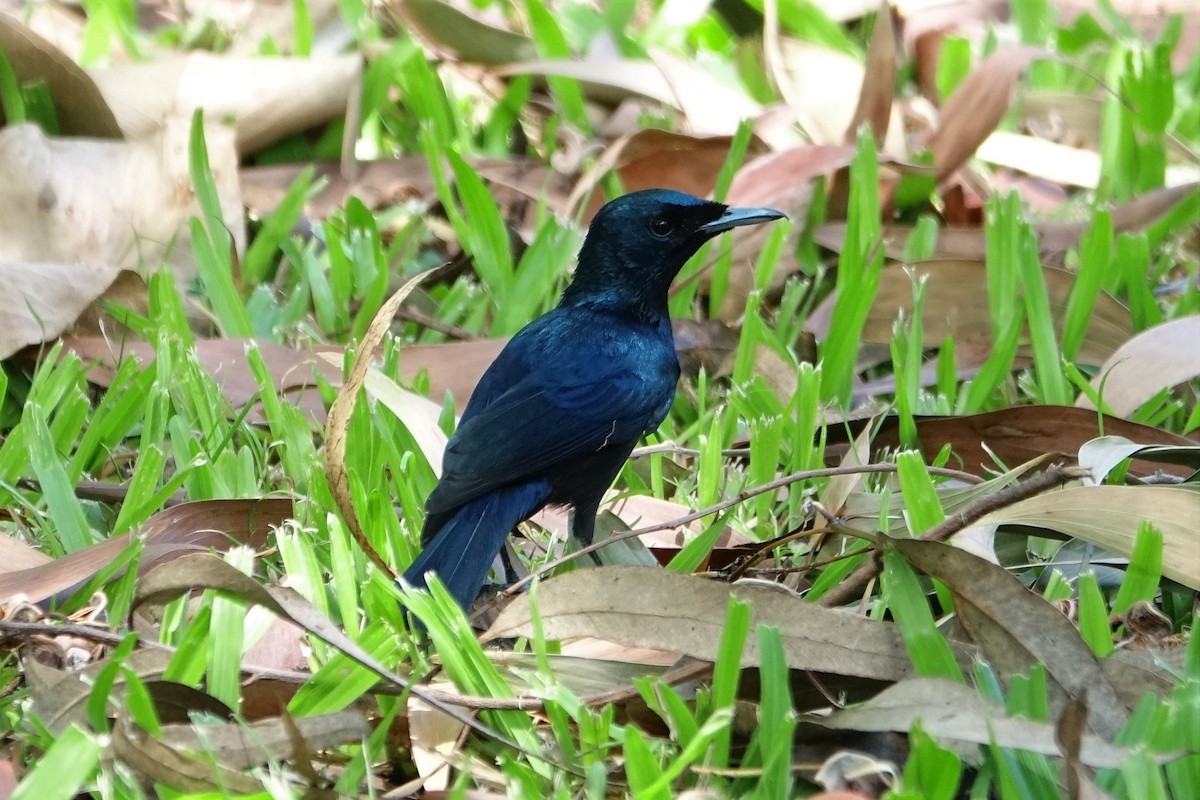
(736, 217)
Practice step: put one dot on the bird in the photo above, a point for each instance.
(555, 416)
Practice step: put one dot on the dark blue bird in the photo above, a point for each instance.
(556, 415)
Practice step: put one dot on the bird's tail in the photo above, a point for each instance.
(463, 549)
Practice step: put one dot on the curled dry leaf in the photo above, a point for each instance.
(78, 104)
(949, 710)
(1158, 358)
(267, 98)
(1017, 629)
(419, 414)
(1102, 455)
(186, 528)
(1109, 517)
(663, 610)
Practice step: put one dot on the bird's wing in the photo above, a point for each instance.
(544, 420)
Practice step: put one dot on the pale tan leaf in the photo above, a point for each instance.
(1060, 163)
(950, 710)
(1155, 359)
(1109, 516)
(43, 300)
(266, 97)
(419, 414)
(434, 738)
(105, 203)
(822, 88)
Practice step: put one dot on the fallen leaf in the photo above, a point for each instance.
(1017, 629)
(639, 607)
(266, 97)
(953, 308)
(105, 204)
(169, 534)
(1109, 517)
(822, 88)
(1017, 435)
(877, 96)
(949, 710)
(1155, 359)
(972, 112)
(1060, 163)
(79, 106)
(462, 34)
(43, 300)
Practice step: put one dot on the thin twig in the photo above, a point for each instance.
(851, 588)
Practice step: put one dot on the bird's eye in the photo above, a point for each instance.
(661, 227)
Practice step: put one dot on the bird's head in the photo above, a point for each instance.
(637, 244)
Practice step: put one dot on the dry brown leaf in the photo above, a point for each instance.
(168, 581)
(878, 94)
(640, 607)
(294, 372)
(156, 762)
(653, 158)
(59, 698)
(953, 307)
(338, 423)
(1018, 629)
(1156, 359)
(237, 745)
(267, 98)
(1020, 434)
(977, 106)
(169, 534)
